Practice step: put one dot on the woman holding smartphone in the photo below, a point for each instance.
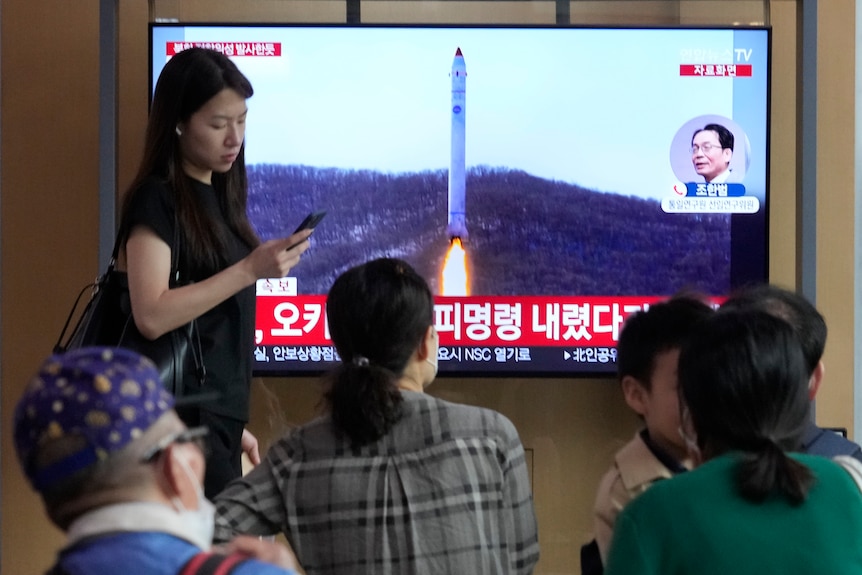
(191, 190)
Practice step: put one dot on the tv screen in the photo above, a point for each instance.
(546, 181)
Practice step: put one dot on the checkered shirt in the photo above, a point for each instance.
(445, 491)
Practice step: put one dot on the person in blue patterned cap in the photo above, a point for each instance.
(98, 438)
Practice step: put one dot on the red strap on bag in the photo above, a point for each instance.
(212, 564)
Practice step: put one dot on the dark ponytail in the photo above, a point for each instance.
(378, 313)
(365, 402)
(769, 468)
(744, 379)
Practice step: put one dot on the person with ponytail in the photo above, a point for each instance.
(753, 504)
(389, 479)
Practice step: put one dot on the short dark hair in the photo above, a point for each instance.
(803, 317)
(743, 377)
(378, 313)
(662, 327)
(725, 136)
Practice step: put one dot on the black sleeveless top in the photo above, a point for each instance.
(227, 330)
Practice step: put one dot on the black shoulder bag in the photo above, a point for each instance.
(107, 321)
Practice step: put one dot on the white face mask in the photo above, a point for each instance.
(690, 442)
(434, 355)
(433, 364)
(199, 523)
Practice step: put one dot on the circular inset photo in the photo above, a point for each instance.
(710, 149)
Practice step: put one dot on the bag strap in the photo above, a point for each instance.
(195, 340)
(197, 349)
(852, 466)
(60, 347)
(205, 563)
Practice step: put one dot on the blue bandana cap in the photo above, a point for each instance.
(104, 395)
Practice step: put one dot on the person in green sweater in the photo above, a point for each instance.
(751, 505)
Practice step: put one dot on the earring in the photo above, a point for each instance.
(179, 132)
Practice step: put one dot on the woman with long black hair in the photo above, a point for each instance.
(190, 195)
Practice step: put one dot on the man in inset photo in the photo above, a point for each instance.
(711, 152)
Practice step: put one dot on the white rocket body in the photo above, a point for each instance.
(457, 227)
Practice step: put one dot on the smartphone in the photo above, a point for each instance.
(309, 223)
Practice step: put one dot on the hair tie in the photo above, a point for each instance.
(766, 443)
(360, 360)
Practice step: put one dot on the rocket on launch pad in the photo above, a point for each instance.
(457, 227)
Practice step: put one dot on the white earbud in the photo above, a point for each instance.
(179, 132)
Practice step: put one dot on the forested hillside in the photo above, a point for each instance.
(527, 235)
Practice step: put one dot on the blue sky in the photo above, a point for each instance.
(598, 108)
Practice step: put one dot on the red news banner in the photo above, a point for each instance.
(227, 48)
(466, 321)
(716, 70)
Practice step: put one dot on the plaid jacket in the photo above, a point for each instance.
(445, 491)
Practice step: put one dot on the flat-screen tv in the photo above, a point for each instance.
(547, 181)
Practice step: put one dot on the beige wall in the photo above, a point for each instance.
(835, 201)
(48, 219)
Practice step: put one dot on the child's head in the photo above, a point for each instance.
(647, 355)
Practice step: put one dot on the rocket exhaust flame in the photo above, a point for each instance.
(454, 279)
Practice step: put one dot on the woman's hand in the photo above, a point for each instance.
(250, 447)
(275, 258)
(262, 550)
(158, 308)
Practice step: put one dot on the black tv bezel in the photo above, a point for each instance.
(738, 243)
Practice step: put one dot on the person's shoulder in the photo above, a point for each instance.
(317, 435)
(835, 478)
(154, 182)
(465, 415)
(440, 420)
(639, 467)
(610, 490)
(820, 465)
(635, 449)
(666, 494)
(434, 402)
(613, 474)
(706, 477)
(152, 186)
(152, 194)
(634, 470)
(827, 443)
